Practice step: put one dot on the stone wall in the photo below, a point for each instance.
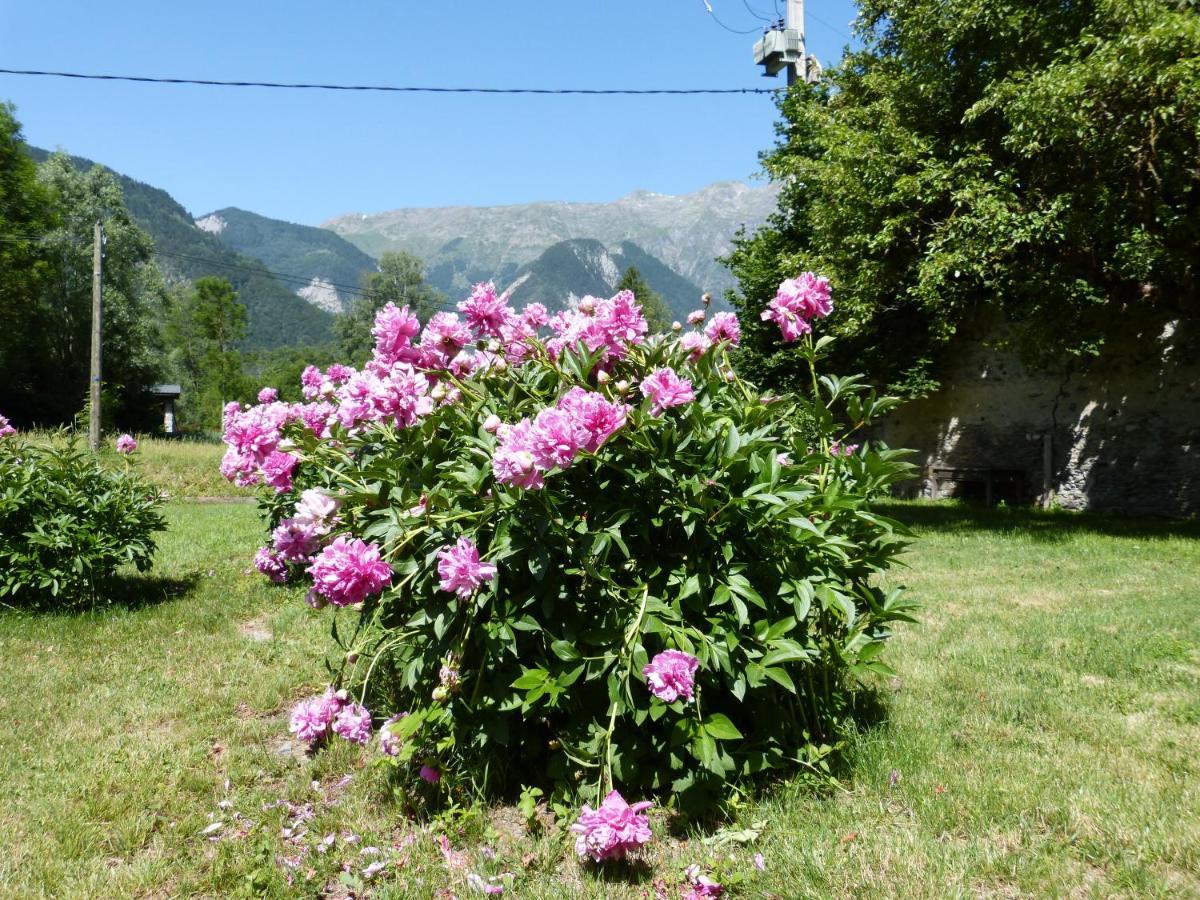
(1121, 437)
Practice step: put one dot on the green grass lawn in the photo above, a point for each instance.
(1040, 739)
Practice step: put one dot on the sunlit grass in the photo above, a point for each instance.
(1040, 739)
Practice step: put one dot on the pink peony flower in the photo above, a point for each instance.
(310, 381)
(612, 830)
(312, 718)
(126, 444)
(268, 395)
(339, 374)
(666, 389)
(353, 723)
(485, 312)
(535, 315)
(838, 449)
(277, 470)
(317, 508)
(271, 564)
(394, 330)
(389, 744)
(348, 571)
(296, 541)
(513, 461)
(460, 570)
(555, 438)
(695, 343)
(784, 459)
(594, 414)
(670, 675)
(6, 428)
(430, 774)
(446, 333)
(796, 302)
(724, 326)
(696, 316)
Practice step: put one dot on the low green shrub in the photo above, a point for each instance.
(68, 522)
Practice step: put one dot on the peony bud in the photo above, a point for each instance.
(706, 298)
(602, 377)
(440, 694)
(677, 325)
(491, 424)
(622, 386)
(587, 306)
(438, 393)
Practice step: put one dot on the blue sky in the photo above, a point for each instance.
(306, 156)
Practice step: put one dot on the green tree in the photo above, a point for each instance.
(204, 325)
(400, 280)
(61, 310)
(1027, 168)
(25, 217)
(658, 317)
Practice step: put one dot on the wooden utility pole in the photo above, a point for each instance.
(97, 336)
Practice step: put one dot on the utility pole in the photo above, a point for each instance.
(97, 336)
(798, 70)
(783, 46)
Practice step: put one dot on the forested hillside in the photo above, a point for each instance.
(277, 317)
(333, 267)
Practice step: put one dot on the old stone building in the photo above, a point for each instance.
(1118, 436)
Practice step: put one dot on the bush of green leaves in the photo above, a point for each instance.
(68, 522)
(735, 528)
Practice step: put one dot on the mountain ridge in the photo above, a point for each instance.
(463, 244)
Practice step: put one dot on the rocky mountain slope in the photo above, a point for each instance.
(461, 245)
(572, 269)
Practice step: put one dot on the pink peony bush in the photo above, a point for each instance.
(559, 548)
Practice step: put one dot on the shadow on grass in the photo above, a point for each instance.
(128, 592)
(140, 591)
(1050, 526)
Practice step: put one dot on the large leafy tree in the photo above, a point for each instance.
(25, 217)
(133, 288)
(1027, 168)
(400, 280)
(204, 324)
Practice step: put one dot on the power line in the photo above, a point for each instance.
(829, 25)
(715, 18)
(750, 9)
(408, 89)
(256, 270)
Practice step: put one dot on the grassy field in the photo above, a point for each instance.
(184, 469)
(1040, 740)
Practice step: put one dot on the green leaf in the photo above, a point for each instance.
(719, 726)
(531, 678)
(565, 650)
